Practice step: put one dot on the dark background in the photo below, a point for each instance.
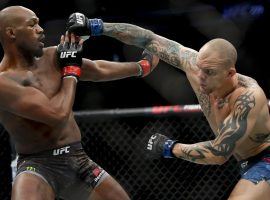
(189, 22)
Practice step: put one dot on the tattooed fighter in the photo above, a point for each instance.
(234, 105)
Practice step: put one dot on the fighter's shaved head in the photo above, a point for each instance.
(221, 51)
(11, 14)
(11, 17)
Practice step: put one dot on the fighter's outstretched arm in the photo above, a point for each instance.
(168, 50)
(102, 70)
(234, 128)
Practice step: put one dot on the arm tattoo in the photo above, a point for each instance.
(230, 131)
(127, 33)
(167, 50)
(173, 53)
(188, 55)
(195, 153)
(233, 128)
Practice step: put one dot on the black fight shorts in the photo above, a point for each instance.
(68, 170)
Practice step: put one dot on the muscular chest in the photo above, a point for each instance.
(47, 81)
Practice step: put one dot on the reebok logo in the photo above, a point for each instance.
(99, 176)
(61, 151)
(66, 54)
(150, 142)
(79, 18)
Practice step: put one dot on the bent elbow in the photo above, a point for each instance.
(221, 160)
(54, 116)
(150, 38)
(61, 117)
(41, 111)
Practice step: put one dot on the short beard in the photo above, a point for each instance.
(39, 53)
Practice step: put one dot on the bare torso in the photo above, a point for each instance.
(216, 110)
(30, 136)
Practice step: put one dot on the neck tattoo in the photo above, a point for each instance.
(221, 103)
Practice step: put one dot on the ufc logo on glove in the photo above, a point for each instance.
(150, 142)
(66, 54)
(79, 18)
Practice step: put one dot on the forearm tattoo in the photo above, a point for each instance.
(230, 131)
(195, 152)
(167, 50)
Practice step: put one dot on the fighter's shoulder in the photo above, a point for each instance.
(49, 51)
(246, 81)
(7, 78)
(252, 93)
(248, 84)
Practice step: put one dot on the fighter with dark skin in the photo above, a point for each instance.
(37, 98)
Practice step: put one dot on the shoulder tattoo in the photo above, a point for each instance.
(246, 81)
(234, 127)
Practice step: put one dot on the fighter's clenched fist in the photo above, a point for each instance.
(79, 24)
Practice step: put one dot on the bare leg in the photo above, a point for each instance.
(31, 187)
(246, 190)
(109, 189)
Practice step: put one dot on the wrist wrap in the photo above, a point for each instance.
(71, 71)
(95, 26)
(145, 66)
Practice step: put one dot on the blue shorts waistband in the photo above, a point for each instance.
(259, 157)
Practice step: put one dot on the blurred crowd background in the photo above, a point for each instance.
(189, 22)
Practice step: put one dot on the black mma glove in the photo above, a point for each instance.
(147, 64)
(80, 25)
(70, 59)
(160, 146)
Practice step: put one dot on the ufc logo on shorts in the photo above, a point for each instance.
(66, 54)
(150, 142)
(79, 18)
(61, 151)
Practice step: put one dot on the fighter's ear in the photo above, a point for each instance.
(10, 32)
(232, 71)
